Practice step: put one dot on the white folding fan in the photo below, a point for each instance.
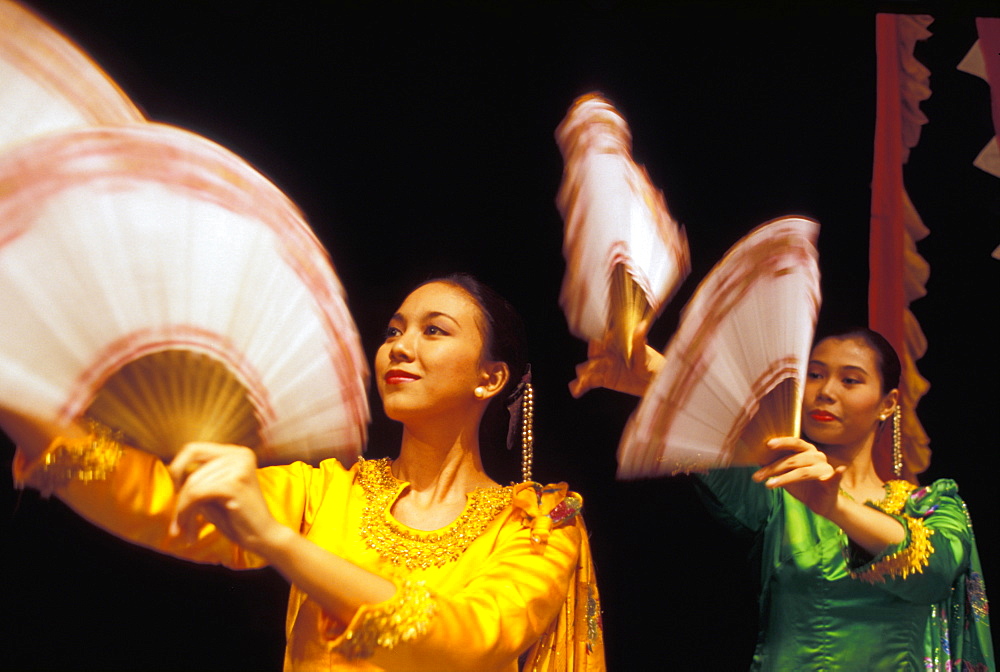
(154, 281)
(625, 255)
(735, 367)
(48, 84)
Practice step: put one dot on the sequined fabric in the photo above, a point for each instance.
(414, 549)
(92, 457)
(814, 615)
(401, 619)
(497, 597)
(909, 559)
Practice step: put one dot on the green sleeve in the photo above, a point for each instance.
(935, 550)
(734, 498)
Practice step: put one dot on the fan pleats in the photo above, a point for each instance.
(47, 84)
(735, 367)
(625, 255)
(154, 273)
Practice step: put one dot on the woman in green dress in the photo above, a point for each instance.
(857, 573)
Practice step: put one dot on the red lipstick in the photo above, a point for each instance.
(822, 416)
(397, 376)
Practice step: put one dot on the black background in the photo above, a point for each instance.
(418, 139)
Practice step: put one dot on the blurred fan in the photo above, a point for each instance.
(47, 84)
(625, 255)
(154, 281)
(735, 368)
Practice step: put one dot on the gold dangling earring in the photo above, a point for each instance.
(527, 435)
(521, 407)
(897, 442)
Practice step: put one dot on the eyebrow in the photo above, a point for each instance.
(427, 316)
(851, 367)
(856, 368)
(436, 313)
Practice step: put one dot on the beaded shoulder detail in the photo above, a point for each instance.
(417, 549)
(914, 556)
(545, 508)
(896, 493)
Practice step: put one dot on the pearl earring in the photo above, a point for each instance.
(480, 392)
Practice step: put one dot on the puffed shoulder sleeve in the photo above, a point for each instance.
(734, 498)
(534, 587)
(935, 549)
(130, 494)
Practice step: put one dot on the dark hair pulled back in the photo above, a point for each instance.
(503, 332)
(504, 340)
(886, 358)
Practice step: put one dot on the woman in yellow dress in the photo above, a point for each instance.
(422, 562)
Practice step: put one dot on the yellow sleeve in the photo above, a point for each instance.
(525, 593)
(134, 499)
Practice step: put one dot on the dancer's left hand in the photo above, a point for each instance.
(804, 471)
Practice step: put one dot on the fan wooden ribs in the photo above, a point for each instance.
(735, 367)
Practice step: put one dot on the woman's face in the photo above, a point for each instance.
(843, 397)
(432, 359)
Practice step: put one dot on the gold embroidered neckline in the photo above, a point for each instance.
(417, 549)
(896, 493)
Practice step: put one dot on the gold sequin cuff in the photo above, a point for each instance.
(911, 559)
(402, 618)
(88, 458)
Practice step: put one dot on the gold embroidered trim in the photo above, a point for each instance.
(402, 618)
(906, 561)
(895, 497)
(88, 458)
(417, 549)
(594, 625)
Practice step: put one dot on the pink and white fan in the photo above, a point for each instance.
(154, 281)
(735, 367)
(625, 255)
(48, 84)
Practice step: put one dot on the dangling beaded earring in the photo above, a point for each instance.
(527, 437)
(521, 406)
(897, 442)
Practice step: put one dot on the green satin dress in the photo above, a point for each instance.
(826, 605)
